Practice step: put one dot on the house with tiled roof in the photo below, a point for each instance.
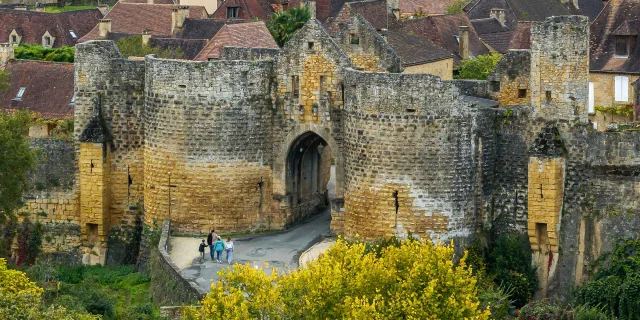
(614, 63)
(453, 32)
(244, 10)
(42, 87)
(47, 29)
(134, 18)
(416, 8)
(420, 55)
(493, 33)
(243, 35)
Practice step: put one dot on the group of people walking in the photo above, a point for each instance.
(215, 244)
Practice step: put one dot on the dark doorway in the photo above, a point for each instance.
(308, 173)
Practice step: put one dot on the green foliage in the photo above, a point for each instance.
(477, 68)
(283, 25)
(589, 313)
(54, 9)
(511, 264)
(133, 47)
(117, 292)
(543, 310)
(615, 287)
(8, 230)
(4, 80)
(625, 110)
(456, 6)
(16, 159)
(415, 280)
(29, 242)
(36, 52)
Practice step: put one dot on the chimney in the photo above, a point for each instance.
(104, 27)
(6, 54)
(146, 36)
(499, 15)
(311, 4)
(104, 9)
(178, 15)
(463, 40)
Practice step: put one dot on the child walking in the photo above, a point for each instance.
(228, 246)
(201, 249)
(218, 246)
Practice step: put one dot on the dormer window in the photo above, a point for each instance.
(47, 41)
(20, 94)
(233, 12)
(622, 46)
(14, 39)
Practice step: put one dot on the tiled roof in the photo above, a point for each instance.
(42, 95)
(427, 6)
(618, 16)
(375, 12)
(591, 8)
(522, 10)
(32, 25)
(493, 33)
(244, 35)
(133, 18)
(521, 38)
(442, 30)
(414, 50)
(248, 9)
(200, 28)
(190, 47)
(154, 1)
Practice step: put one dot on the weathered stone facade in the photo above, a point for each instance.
(247, 144)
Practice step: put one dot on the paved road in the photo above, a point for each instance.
(280, 250)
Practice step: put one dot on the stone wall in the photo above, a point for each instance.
(509, 82)
(604, 96)
(560, 68)
(441, 68)
(169, 287)
(56, 169)
(250, 54)
(208, 145)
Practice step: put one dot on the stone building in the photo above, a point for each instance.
(246, 143)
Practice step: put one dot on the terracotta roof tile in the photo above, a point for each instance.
(190, 47)
(248, 9)
(133, 18)
(618, 16)
(493, 33)
(244, 35)
(33, 25)
(522, 10)
(42, 95)
(414, 50)
(521, 38)
(431, 7)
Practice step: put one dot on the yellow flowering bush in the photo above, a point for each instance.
(415, 280)
(21, 298)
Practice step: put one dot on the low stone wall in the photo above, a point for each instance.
(169, 287)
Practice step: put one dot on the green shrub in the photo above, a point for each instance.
(511, 263)
(589, 313)
(36, 52)
(543, 310)
(477, 68)
(615, 287)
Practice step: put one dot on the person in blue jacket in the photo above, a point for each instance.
(218, 246)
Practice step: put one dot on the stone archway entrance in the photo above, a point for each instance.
(308, 171)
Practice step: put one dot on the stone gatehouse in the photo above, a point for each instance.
(247, 143)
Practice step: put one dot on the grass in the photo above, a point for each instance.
(54, 9)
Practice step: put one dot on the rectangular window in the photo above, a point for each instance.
(591, 99)
(47, 41)
(310, 45)
(622, 46)
(232, 12)
(522, 93)
(20, 93)
(73, 34)
(14, 39)
(295, 86)
(354, 38)
(622, 88)
(547, 95)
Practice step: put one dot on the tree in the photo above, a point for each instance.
(133, 47)
(16, 159)
(4, 80)
(36, 52)
(21, 298)
(284, 24)
(414, 280)
(479, 67)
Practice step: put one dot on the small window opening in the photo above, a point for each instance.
(182, 86)
(92, 233)
(20, 93)
(232, 12)
(73, 99)
(47, 41)
(354, 38)
(310, 45)
(91, 168)
(14, 39)
(540, 189)
(547, 95)
(410, 110)
(295, 86)
(495, 86)
(73, 34)
(522, 93)
(622, 46)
